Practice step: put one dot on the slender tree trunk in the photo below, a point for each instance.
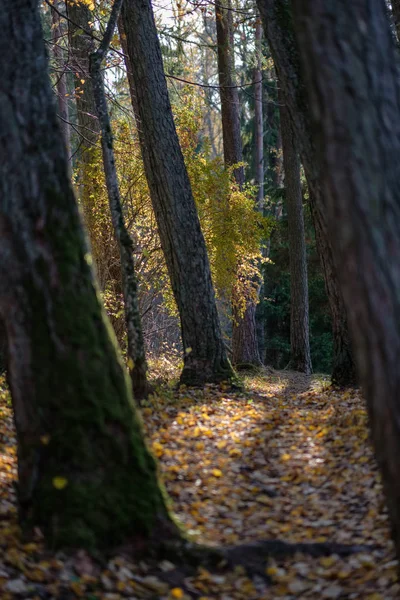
(258, 114)
(278, 26)
(259, 170)
(90, 188)
(244, 337)
(175, 210)
(299, 321)
(61, 86)
(396, 16)
(86, 478)
(355, 105)
(136, 352)
(230, 106)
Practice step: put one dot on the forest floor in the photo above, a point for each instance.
(288, 458)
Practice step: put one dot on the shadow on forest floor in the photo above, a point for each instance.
(287, 459)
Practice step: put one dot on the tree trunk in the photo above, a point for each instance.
(278, 26)
(86, 478)
(396, 17)
(136, 352)
(61, 79)
(244, 337)
(259, 171)
(356, 117)
(175, 210)
(230, 107)
(90, 189)
(299, 322)
(258, 120)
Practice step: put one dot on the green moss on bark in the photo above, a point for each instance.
(87, 433)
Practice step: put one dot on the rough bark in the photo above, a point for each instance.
(81, 46)
(259, 170)
(175, 210)
(300, 359)
(86, 478)
(90, 190)
(230, 106)
(278, 27)
(396, 17)
(352, 78)
(61, 78)
(244, 336)
(136, 352)
(258, 117)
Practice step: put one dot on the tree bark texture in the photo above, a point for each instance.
(278, 27)
(230, 106)
(299, 319)
(175, 210)
(258, 116)
(61, 78)
(136, 352)
(244, 336)
(396, 17)
(259, 170)
(86, 478)
(350, 62)
(81, 46)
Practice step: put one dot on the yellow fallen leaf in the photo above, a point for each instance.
(177, 593)
(235, 452)
(264, 499)
(60, 482)
(327, 561)
(158, 449)
(217, 472)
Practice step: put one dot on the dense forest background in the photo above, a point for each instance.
(234, 235)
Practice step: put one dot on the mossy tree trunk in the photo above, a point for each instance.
(278, 27)
(244, 329)
(181, 237)
(136, 352)
(86, 477)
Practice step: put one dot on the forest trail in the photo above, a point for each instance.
(288, 459)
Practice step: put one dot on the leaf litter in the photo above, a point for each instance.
(287, 459)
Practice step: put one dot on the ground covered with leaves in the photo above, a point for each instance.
(287, 459)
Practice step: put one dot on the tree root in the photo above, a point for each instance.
(253, 557)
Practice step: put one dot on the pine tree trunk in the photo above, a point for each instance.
(258, 117)
(259, 171)
(300, 357)
(86, 478)
(244, 337)
(396, 16)
(175, 210)
(136, 352)
(354, 94)
(90, 188)
(61, 86)
(278, 27)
